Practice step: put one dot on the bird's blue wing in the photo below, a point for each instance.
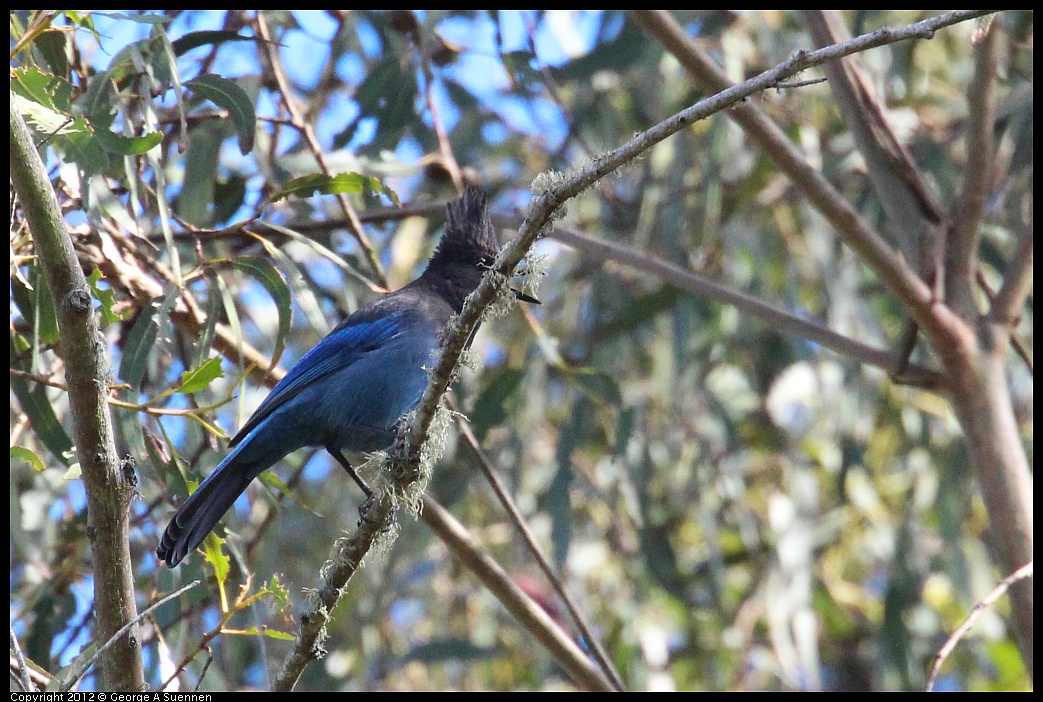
(343, 347)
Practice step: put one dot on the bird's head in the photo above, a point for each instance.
(469, 245)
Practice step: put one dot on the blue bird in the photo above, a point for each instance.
(349, 392)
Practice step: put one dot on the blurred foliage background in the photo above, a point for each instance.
(734, 508)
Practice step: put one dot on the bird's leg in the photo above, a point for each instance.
(339, 457)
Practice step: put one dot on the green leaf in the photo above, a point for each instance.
(267, 275)
(124, 145)
(558, 500)
(199, 378)
(34, 302)
(228, 95)
(319, 183)
(52, 45)
(270, 479)
(598, 386)
(141, 340)
(216, 557)
(270, 633)
(140, 19)
(491, 408)
(229, 196)
(315, 246)
(449, 649)
(43, 88)
(82, 20)
(304, 293)
(45, 120)
(106, 298)
(28, 456)
(624, 430)
(388, 95)
(275, 588)
(99, 99)
(38, 408)
(661, 559)
(139, 57)
(193, 40)
(559, 507)
(201, 166)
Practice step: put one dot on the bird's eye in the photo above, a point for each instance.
(485, 262)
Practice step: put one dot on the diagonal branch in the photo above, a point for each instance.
(672, 274)
(533, 617)
(1017, 285)
(780, 319)
(1021, 573)
(415, 33)
(962, 252)
(913, 211)
(594, 642)
(889, 266)
(23, 670)
(85, 666)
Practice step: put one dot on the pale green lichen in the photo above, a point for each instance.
(533, 273)
(434, 447)
(470, 359)
(504, 298)
(546, 181)
(383, 542)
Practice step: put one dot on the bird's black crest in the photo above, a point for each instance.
(469, 235)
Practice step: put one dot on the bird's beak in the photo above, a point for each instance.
(525, 298)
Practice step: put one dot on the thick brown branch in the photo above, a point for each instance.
(109, 488)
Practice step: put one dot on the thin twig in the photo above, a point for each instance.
(116, 402)
(444, 146)
(1024, 571)
(23, 669)
(242, 600)
(541, 560)
(1011, 319)
(306, 129)
(534, 618)
(798, 83)
(547, 78)
(115, 637)
(1017, 283)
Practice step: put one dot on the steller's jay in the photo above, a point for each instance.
(349, 392)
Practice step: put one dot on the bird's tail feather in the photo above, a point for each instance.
(203, 510)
